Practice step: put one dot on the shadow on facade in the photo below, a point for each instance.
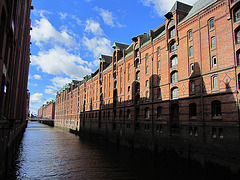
(199, 120)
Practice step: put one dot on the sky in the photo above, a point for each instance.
(68, 37)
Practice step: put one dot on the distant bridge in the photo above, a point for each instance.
(46, 121)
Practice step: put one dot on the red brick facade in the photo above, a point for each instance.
(47, 110)
(14, 66)
(187, 73)
(179, 80)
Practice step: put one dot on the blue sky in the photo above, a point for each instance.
(68, 37)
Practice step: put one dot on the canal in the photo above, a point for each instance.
(50, 153)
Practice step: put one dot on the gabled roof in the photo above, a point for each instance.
(199, 6)
(181, 7)
(106, 58)
(120, 46)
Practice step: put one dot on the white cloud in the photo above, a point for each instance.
(58, 61)
(36, 76)
(63, 15)
(32, 84)
(59, 82)
(107, 16)
(98, 45)
(36, 98)
(93, 27)
(50, 91)
(44, 32)
(163, 6)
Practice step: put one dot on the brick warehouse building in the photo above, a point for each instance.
(174, 87)
(14, 65)
(47, 110)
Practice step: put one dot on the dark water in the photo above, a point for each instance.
(51, 153)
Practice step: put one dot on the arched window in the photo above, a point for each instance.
(174, 77)
(211, 23)
(159, 112)
(213, 42)
(174, 93)
(147, 83)
(128, 113)
(147, 113)
(138, 75)
(216, 108)
(191, 51)
(172, 32)
(192, 109)
(174, 61)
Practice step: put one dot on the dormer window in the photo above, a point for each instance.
(172, 32)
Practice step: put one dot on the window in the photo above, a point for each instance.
(159, 112)
(239, 81)
(237, 15)
(128, 88)
(216, 108)
(174, 61)
(192, 110)
(158, 51)
(147, 113)
(213, 43)
(129, 66)
(159, 64)
(172, 32)
(190, 34)
(147, 69)
(138, 75)
(211, 23)
(173, 46)
(159, 80)
(120, 114)
(215, 82)
(128, 97)
(237, 33)
(147, 94)
(214, 61)
(147, 83)
(174, 77)
(191, 68)
(159, 93)
(192, 86)
(147, 57)
(128, 114)
(238, 57)
(137, 100)
(137, 87)
(174, 93)
(191, 51)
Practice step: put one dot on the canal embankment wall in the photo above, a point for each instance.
(203, 142)
(11, 136)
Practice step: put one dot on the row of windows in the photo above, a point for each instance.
(215, 107)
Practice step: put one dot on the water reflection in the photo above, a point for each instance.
(51, 153)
